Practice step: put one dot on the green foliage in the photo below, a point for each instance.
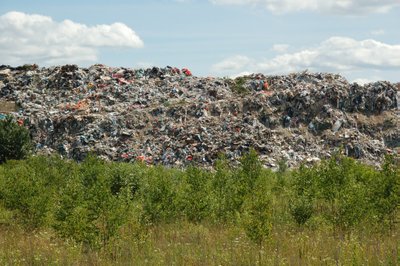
(159, 195)
(282, 172)
(246, 176)
(338, 189)
(24, 192)
(94, 202)
(195, 198)
(257, 212)
(15, 143)
(304, 190)
(344, 187)
(301, 209)
(282, 166)
(386, 191)
(88, 209)
(238, 85)
(223, 190)
(250, 169)
(124, 176)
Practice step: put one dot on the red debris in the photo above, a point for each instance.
(266, 85)
(117, 75)
(141, 158)
(186, 71)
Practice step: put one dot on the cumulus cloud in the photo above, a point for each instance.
(336, 54)
(27, 38)
(233, 64)
(336, 6)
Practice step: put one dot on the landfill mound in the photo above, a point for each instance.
(167, 116)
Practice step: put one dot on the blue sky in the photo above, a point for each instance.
(357, 38)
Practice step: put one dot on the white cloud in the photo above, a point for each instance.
(280, 48)
(363, 81)
(26, 38)
(335, 6)
(232, 64)
(337, 54)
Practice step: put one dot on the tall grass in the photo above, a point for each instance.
(186, 243)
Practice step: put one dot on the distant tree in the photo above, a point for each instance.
(15, 142)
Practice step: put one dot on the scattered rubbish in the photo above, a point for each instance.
(168, 116)
(337, 125)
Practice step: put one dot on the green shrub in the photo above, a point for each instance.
(125, 176)
(196, 194)
(245, 177)
(250, 169)
(88, 210)
(337, 189)
(304, 191)
(15, 141)
(385, 196)
(281, 174)
(238, 85)
(343, 189)
(301, 209)
(159, 194)
(223, 203)
(257, 213)
(24, 192)
(94, 201)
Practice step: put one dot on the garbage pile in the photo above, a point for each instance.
(167, 116)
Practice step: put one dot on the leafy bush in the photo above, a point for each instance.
(24, 192)
(15, 141)
(386, 191)
(94, 201)
(304, 191)
(88, 210)
(301, 209)
(159, 194)
(341, 189)
(245, 177)
(223, 204)
(196, 196)
(238, 86)
(257, 212)
(250, 169)
(124, 176)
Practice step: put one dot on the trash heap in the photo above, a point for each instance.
(167, 116)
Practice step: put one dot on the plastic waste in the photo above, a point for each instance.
(168, 116)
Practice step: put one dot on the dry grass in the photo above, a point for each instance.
(200, 244)
(36, 248)
(7, 106)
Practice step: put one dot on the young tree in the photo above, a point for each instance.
(15, 141)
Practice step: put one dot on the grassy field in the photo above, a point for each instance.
(186, 243)
(59, 212)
